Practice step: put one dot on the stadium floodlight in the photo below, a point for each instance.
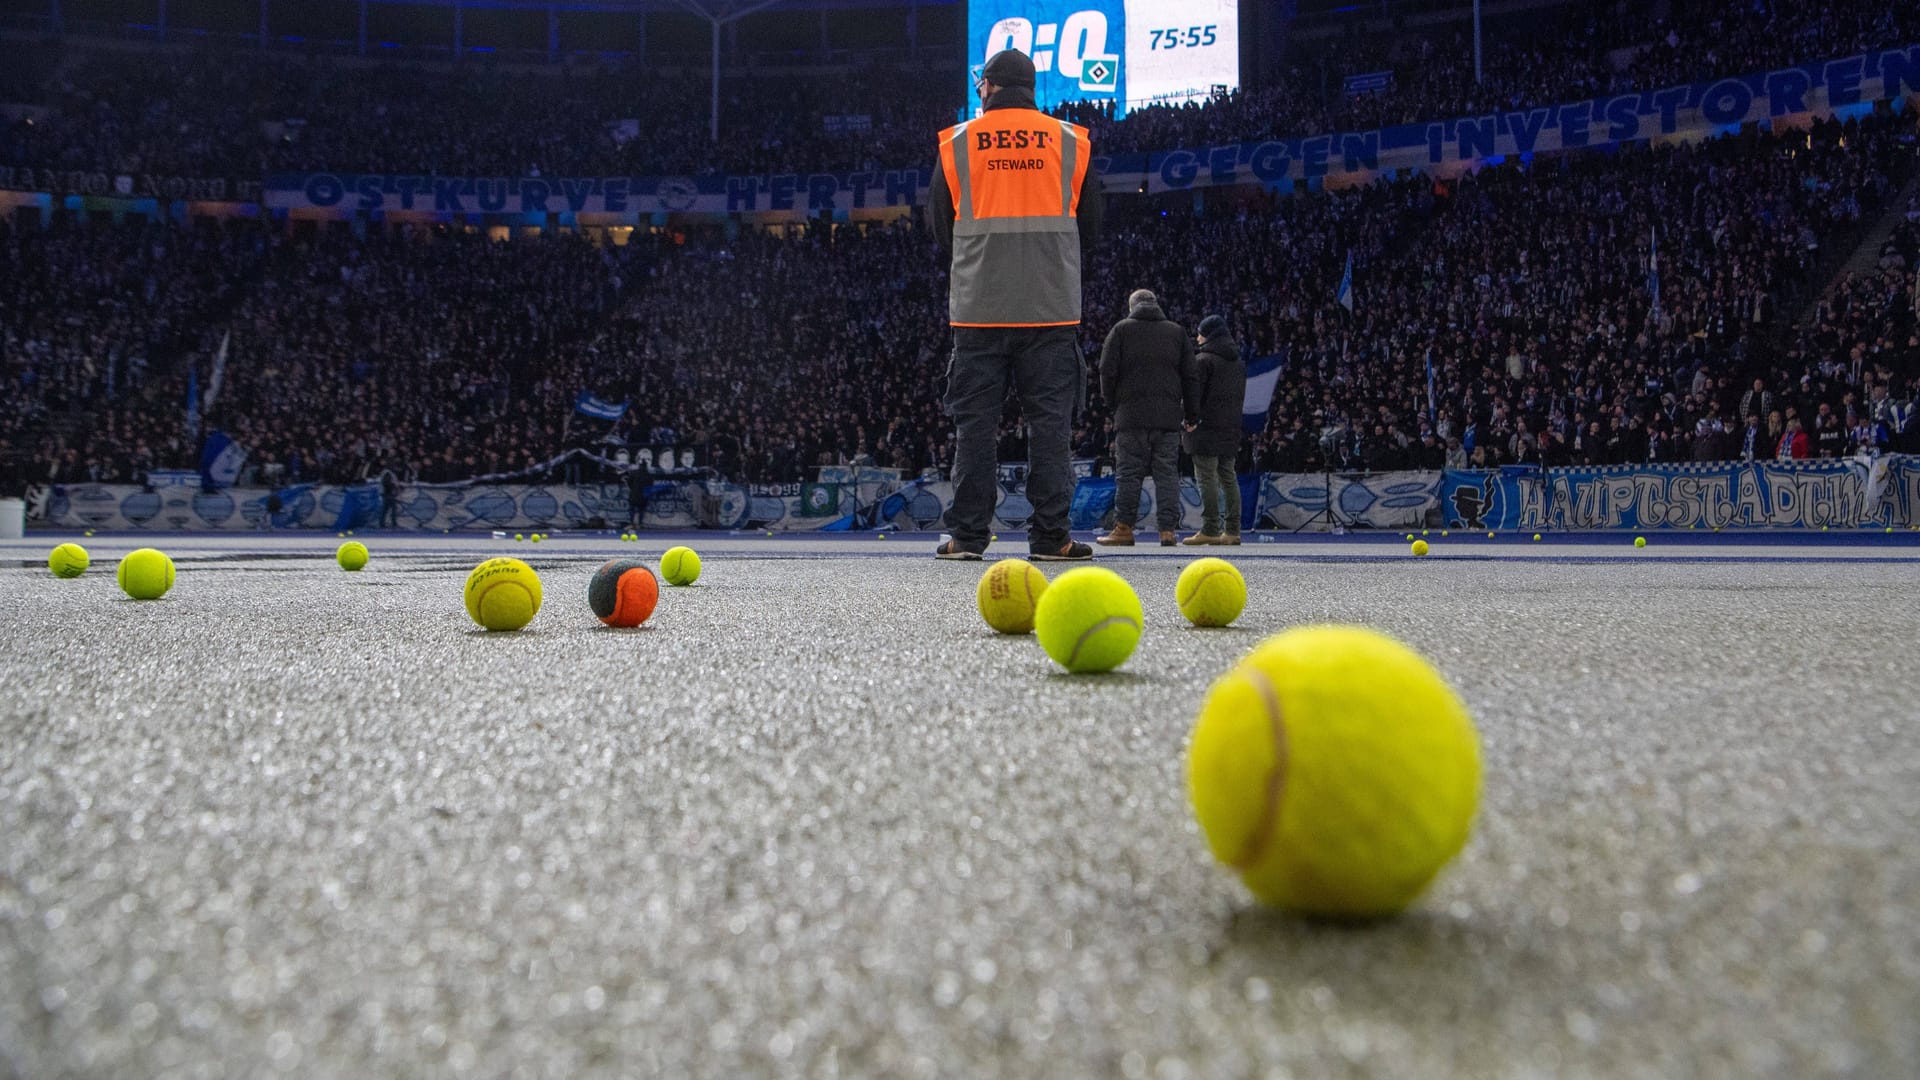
(718, 13)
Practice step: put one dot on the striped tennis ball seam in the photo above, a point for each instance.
(480, 598)
(1087, 634)
(1268, 823)
(1197, 582)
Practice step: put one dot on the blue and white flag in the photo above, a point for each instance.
(218, 376)
(220, 460)
(1263, 376)
(592, 406)
(1653, 270)
(1344, 294)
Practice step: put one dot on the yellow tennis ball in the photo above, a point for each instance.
(1008, 593)
(352, 555)
(503, 594)
(1489, 536)
(145, 574)
(519, 536)
(535, 538)
(1420, 547)
(1639, 541)
(1536, 538)
(680, 566)
(1335, 771)
(71, 560)
(1089, 619)
(1211, 592)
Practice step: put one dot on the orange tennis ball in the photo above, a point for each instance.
(623, 593)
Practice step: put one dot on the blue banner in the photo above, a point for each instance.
(803, 192)
(1703, 109)
(1882, 491)
(590, 405)
(220, 460)
(1845, 86)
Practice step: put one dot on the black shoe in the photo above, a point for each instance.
(952, 550)
(1074, 551)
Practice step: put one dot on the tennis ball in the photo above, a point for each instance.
(1444, 532)
(503, 594)
(535, 538)
(352, 555)
(1409, 536)
(71, 560)
(680, 566)
(89, 532)
(145, 574)
(1420, 547)
(1423, 532)
(1489, 536)
(1335, 771)
(1089, 619)
(519, 536)
(1536, 538)
(623, 593)
(1639, 541)
(1008, 593)
(1211, 592)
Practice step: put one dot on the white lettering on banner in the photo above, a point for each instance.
(1857, 492)
(1698, 111)
(1882, 492)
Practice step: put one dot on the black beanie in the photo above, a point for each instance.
(1213, 326)
(1009, 67)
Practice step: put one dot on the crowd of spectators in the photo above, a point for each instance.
(245, 114)
(249, 114)
(441, 355)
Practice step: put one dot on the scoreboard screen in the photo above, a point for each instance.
(1133, 53)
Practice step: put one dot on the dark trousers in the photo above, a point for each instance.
(1144, 451)
(1043, 364)
(1219, 494)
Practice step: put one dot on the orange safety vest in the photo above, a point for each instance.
(1015, 175)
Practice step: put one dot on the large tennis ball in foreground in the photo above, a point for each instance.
(680, 566)
(1335, 771)
(145, 574)
(1211, 592)
(503, 594)
(623, 592)
(1089, 619)
(68, 561)
(1008, 594)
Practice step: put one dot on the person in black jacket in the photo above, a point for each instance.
(1213, 431)
(1146, 370)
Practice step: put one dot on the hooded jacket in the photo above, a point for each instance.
(1146, 371)
(1219, 395)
